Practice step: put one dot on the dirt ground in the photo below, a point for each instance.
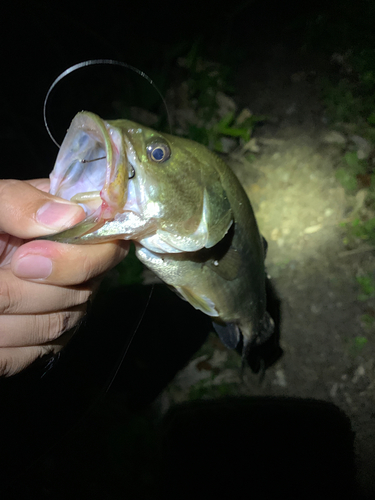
(299, 205)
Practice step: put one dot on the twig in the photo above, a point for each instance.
(356, 250)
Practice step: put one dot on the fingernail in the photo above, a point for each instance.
(57, 215)
(33, 267)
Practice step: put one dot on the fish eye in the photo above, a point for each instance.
(158, 151)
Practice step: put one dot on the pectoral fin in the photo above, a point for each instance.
(200, 302)
(229, 334)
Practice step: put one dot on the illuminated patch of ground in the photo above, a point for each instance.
(329, 348)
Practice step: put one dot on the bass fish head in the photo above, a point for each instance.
(92, 169)
(136, 183)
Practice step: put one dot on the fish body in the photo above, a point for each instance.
(189, 217)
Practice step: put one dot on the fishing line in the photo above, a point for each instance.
(123, 356)
(93, 62)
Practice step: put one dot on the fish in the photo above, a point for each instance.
(185, 210)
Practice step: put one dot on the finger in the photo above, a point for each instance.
(27, 212)
(41, 184)
(63, 264)
(25, 297)
(34, 329)
(8, 245)
(15, 359)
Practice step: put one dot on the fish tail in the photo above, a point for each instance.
(248, 341)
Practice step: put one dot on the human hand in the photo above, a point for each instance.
(44, 285)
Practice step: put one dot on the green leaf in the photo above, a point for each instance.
(347, 179)
(367, 285)
(360, 342)
(351, 158)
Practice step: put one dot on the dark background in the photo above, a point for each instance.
(39, 41)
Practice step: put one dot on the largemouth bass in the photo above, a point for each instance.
(182, 206)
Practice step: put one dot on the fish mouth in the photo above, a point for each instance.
(91, 168)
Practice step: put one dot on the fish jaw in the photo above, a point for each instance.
(92, 169)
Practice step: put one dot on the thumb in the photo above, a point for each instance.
(27, 212)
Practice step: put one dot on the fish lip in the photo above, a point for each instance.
(89, 138)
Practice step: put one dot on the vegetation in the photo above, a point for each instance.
(343, 33)
(356, 345)
(367, 285)
(207, 83)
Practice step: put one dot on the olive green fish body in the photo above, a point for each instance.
(227, 280)
(187, 213)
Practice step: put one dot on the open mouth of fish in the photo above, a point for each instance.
(92, 168)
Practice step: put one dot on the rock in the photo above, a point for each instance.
(251, 146)
(270, 141)
(227, 144)
(226, 104)
(328, 212)
(228, 376)
(364, 147)
(360, 372)
(219, 358)
(312, 229)
(244, 115)
(360, 199)
(275, 234)
(315, 309)
(280, 378)
(190, 375)
(334, 137)
(334, 390)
